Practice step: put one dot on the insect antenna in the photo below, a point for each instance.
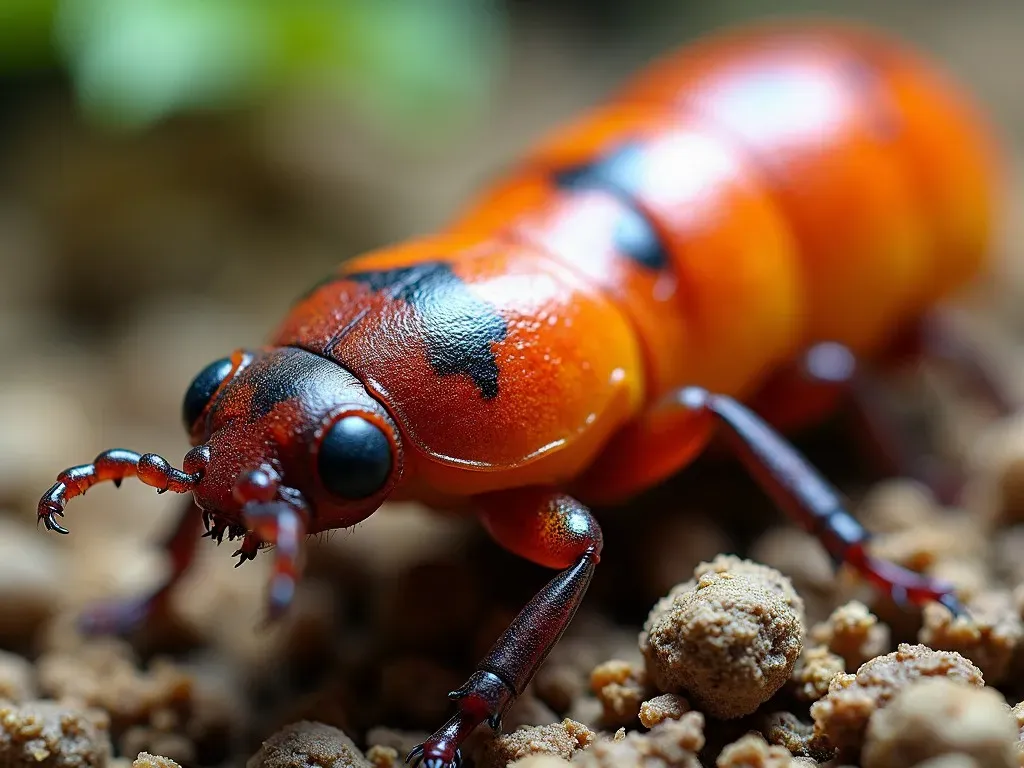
(115, 465)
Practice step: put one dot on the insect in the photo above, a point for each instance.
(762, 199)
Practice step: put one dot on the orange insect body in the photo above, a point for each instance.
(580, 332)
(738, 202)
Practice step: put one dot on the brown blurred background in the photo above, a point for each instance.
(174, 172)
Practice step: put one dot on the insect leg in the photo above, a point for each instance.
(121, 617)
(796, 486)
(550, 529)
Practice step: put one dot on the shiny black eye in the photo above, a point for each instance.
(354, 459)
(201, 390)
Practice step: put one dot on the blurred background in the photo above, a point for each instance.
(174, 172)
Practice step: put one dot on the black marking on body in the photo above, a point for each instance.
(282, 381)
(458, 327)
(637, 239)
(620, 172)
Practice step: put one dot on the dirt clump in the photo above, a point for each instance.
(308, 745)
(667, 706)
(621, 688)
(841, 717)
(562, 739)
(814, 672)
(853, 633)
(752, 751)
(17, 678)
(48, 734)
(146, 760)
(989, 635)
(935, 717)
(670, 744)
(729, 639)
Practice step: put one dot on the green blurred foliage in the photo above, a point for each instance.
(416, 65)
(25, 34)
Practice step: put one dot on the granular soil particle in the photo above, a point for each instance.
(562, 739)
(842, 715)
(667, 706)
(730, 638)
(936, 716)
(49, 734)
(308, 745)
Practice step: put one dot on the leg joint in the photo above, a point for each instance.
(546, 527)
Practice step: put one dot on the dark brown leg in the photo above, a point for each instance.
(550, 529)
(808, 498)
(123, 617)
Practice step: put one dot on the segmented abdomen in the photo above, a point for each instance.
(758, 192)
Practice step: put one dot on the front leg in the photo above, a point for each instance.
(550, 529)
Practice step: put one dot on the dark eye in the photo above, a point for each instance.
(354, 459)
(201, 390)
